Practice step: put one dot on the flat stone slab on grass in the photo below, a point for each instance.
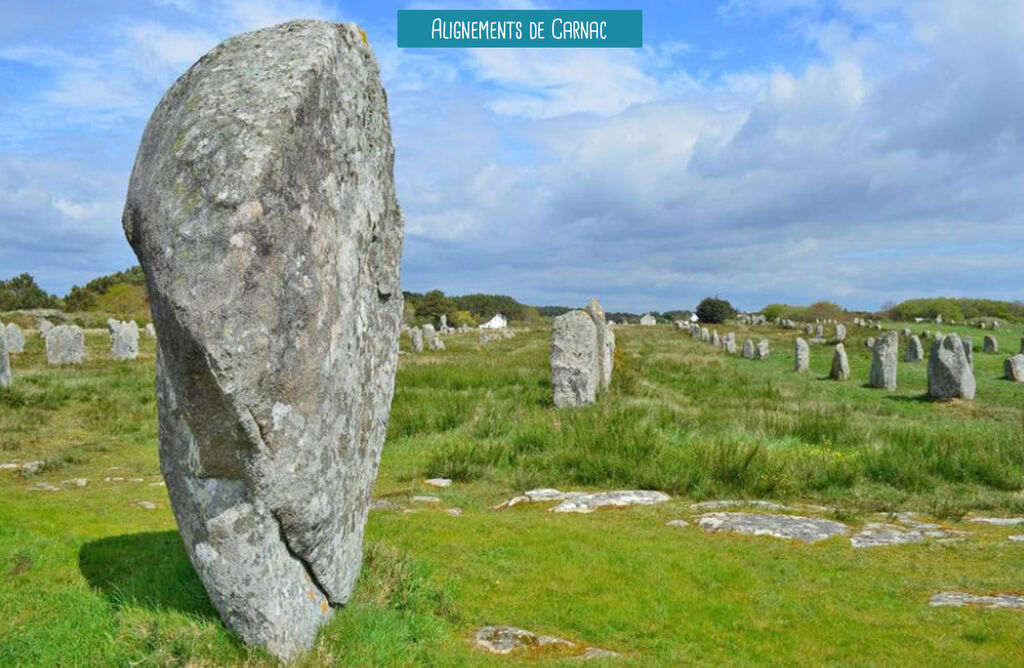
(1016, 539)
(438, 482)
(998, 521)
(424, 499)
(587, 502)
(878, 535)
(508, 639)
(960, 599)
(677, 523)
(788, 527)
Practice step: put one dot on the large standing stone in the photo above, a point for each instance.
(429, 332)
(840, 332)
(715, 340)
(605, 342)
(914, 351)
(416, 339)
(883, 361)
(575, 371)
(990, 344)
(761, 350)
(949, 372)
(968, 344)
(124, 341)
(1021, 343)
(819, 331)
(1013, 368)
(801, 356)
(5, 363)
(704, 335)
(748, 349)
(15, 338)
(436, 343)
(840, 364)
(65, 344)
(262, 209)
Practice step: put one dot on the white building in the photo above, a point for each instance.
(497, 322)
(647, 320)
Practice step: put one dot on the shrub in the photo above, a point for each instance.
(713, 309)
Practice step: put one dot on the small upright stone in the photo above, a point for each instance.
(840, 364)
(715, 341)
(605, 341)
(809, 329)
(949, 372)
(761, 350)
(819, 331)
(914, 351)
(416, 339)
(647, 320)
(1013, 368)
(124, 341)
(65, 344)
(15, 338)
(801, 356)
(5, 363)
(43, 326)
(729, 343)
(150, 330)
(429, 332)
(748, 349)
(883, 361)
(990, 345)
(704, 336)
(968, 344)
(436, 343)
(840, 332)
(575, 373)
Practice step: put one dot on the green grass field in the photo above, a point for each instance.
(87, 578)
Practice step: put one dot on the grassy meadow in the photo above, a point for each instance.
(89, 578)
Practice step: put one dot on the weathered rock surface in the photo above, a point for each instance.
(124, 340)
(960, 599)
(605, 342)
(65, 344)
(761, 350)
(647, 320)
(801, 356)
(949, 373)
(748, 349)
(795, 527)
(587, 502)
(729, 343)
(575, 374)
(968, 344)
(879, 535)
(15, 338)
(416, 339)
(263, 211)
(508, 639)
(43, 326)
(883, 361)
(429, 332)
(1013, 368)
(737, 503)
(435, 343)
(914, 351)
(150, 330)
(840, 332)
(999, 521)
(840, 364)
(438, 482)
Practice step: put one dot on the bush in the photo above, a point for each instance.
(713, 309)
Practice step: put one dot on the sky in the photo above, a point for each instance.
(857, 151)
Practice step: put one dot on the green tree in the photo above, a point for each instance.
(434, 305)
(22, 292)
(713, 309)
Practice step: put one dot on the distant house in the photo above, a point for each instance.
(497, 322)
(693, 317)
(647, 320)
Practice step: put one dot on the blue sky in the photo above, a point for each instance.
(762, 150)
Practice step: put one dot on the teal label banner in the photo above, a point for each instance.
(509, 28)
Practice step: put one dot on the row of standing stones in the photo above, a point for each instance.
(65, 344)
(950, 363)
(429, 337)
(582, 355)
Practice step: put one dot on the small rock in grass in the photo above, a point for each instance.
(77, 482)
(32, 468)
(735, 503)
(148, 505)
(1016, 538)
(424, 499)
(806, 529)
(438, 482)
(677, 523)
(956, 598)
(43, 487)
(454, 512)
(877, 535)
(384, 504)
